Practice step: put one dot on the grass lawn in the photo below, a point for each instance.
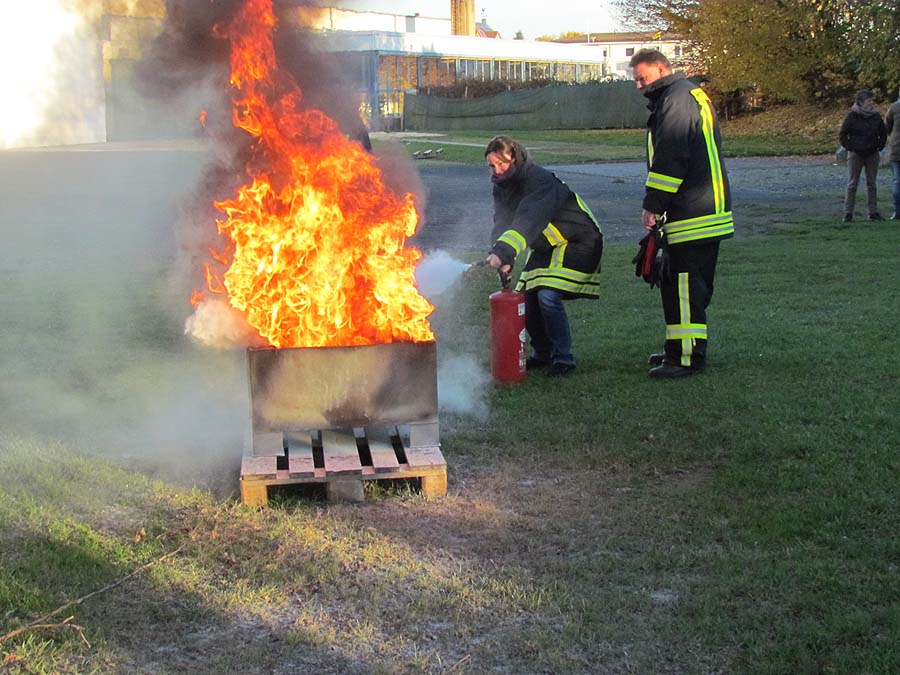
(743, 521)
(788, 130)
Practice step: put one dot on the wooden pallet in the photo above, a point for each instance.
(341, 461)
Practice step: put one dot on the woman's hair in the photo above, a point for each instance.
(863, 95)
(507, 148)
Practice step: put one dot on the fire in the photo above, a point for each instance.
(316, 250)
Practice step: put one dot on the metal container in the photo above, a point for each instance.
(321, 388)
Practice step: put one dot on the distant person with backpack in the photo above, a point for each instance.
(864, 134)
(892, 124)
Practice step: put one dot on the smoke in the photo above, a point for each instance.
(92, 334)
(463, 383)
(53, 89)
(218, 325)
(436, 274)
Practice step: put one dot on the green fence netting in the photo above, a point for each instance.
(604, 105)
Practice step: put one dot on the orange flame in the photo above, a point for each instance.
(317, 248)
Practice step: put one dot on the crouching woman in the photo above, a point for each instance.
(535, 210)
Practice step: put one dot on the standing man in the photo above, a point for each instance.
(687, 192)
(892, 122)
(863, 133)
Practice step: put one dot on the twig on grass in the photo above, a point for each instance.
(42, 621)
(459, 663)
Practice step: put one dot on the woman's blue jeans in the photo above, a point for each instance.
(548, 326)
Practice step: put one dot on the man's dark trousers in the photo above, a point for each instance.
(686, 291)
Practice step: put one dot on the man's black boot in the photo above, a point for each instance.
(669, 371)
(656, 359)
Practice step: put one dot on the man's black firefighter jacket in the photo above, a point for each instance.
(533, 209)
(686, 180)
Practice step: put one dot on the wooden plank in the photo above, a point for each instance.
(340, 453)
(254, 493)
(384, 458)
(259, 468)
(435, 485)
(300, 456)
(268, 443)
(345, 491)
(425, 457)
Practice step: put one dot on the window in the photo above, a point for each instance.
(629, 51)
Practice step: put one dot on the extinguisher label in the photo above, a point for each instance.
(523, 336)
(521, 309)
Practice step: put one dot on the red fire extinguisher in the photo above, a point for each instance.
(507, 333)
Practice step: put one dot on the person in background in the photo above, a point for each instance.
(536, 211)
(687, 195)
(892, 126)
(863, 133)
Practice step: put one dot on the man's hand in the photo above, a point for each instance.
(495, 262)
(648, 219)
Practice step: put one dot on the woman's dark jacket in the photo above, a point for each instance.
(533, 209)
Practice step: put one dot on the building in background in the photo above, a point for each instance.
(616, 49)
(385, 50)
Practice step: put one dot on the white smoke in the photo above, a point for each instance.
(53, 89)
(463, 385)
(437, 272)
(218, 325)
(462, 381)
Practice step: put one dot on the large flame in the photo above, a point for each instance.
(316, 252)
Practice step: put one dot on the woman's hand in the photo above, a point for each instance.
(495, 262)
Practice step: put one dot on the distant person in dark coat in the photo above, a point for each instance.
(863, 133)
(892, 124)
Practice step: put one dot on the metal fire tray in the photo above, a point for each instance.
(317, 388)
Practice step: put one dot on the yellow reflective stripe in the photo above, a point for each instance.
(677, 331)
(553, 235)
(701, 227)
(587, 210)
(556, 258)
(563, 273)
(649, 147)
(564, 280)
(684, 297)
(592, 288)
(514, 239)
(703, 233)
(684, 313)
(715, 166)
(676, 226)
(662, 182)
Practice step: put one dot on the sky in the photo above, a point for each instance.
(540, 17)
(26, 48)
(533, 17)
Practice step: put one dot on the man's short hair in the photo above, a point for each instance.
(649, 56)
